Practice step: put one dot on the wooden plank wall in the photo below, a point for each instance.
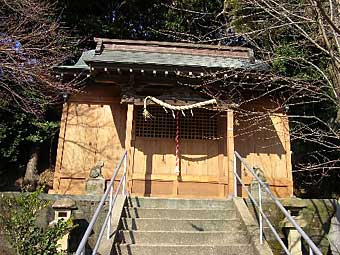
(263, 141)
(90, 131)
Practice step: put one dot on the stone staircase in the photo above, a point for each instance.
(182, 227)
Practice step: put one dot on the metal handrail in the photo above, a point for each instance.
(312, 246)
(107, 222)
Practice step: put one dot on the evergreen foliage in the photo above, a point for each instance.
(19, 222)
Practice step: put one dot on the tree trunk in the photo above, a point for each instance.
(335, 77)
(31, 175)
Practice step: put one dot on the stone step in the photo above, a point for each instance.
(153, 224)
(183, 237)
(179, 203)
(137, 249)
(135, 212)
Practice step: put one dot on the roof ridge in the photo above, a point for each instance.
(171, 44)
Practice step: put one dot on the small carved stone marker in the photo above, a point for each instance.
(95, 184)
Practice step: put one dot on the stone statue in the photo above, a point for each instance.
(254, 185)
(260, 174)
(95, 184)
(96, 171)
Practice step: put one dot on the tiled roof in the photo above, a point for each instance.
(167, 54)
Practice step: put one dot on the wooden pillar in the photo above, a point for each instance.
(60, 149)
(222, 156)
(230, 151)
(175, 187)
(286, 136)
(128, 145)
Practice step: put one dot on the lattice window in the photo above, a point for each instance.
(202, 125)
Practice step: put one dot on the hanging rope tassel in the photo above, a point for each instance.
(146, 114)
(177, 170)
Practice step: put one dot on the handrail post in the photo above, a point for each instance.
(110, 214)
(235, 179)
(260, 214)
(124, 175)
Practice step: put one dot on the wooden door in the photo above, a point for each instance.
(202, 155)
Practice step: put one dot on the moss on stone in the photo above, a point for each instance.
(316, 212)
(275, 246)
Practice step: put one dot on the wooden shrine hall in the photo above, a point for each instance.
(186, 153)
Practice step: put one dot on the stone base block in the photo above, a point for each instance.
(95, 186)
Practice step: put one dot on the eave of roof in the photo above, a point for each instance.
(174, 60)
(81, 64)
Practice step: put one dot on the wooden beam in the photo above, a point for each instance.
(230, 151)
(128, 145)
(184, 178)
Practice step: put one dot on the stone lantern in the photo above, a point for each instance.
(62, 211)
(294, 238)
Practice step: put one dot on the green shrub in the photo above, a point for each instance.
(19, 223)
